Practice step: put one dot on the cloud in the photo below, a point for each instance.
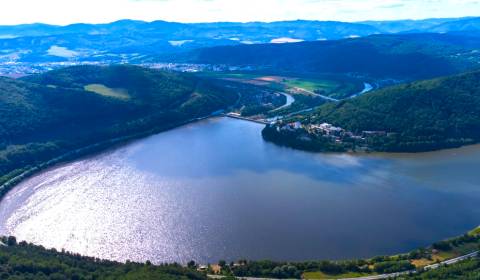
(393, 6)
(95, 11)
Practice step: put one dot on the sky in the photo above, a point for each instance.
(64, 12)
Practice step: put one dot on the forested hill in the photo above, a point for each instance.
(27, 261)
(46, 115)
(410, 56)
(425, 115)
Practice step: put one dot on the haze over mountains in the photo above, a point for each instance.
(141, 42)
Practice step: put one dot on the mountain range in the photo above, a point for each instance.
(131, 41)
(401, 56)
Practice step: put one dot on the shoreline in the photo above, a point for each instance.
(341, 150)
(87, 151)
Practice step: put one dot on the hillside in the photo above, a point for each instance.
(420, 116)
(408, 56)
(43, 116)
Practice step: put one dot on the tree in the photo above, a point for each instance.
(11, 241)
(191, 264)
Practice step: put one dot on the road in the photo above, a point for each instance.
(290, 100)
(381, 276)
(452, 261)
(366, 88)
(316, 94)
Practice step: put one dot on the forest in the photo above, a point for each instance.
(44, 116)
(415, 117)
(27, 261)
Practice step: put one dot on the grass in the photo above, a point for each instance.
(106, 91)
(337, 87)
(312, 85)
(320, 275)
(475, 231)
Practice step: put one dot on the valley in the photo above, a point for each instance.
(299, 149)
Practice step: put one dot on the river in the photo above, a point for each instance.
(215, 190)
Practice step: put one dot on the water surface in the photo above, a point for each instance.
(215, 190)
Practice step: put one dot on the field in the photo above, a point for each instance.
(312, 85)
(335, 86)
(308, 91)
(106, 91)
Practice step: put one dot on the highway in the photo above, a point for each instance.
(316, 94)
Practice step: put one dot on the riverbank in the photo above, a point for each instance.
(328, 138)
(439, 255)
(22, 174)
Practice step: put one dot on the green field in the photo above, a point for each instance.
(106, 91)
(329, 85)
(312, 84)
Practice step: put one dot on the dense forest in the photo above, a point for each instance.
(406, 56)
(44, 116)
(419, 116)
(26, 261)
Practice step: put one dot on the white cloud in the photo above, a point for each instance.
(69, 11)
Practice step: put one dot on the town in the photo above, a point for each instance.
(325, 133)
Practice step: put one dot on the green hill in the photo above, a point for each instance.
(46, 115)
(406, 56)
(420, 116)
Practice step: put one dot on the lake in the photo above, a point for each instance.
(215, 190)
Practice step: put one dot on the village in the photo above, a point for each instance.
(337, 135)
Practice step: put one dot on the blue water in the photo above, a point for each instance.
(215, 190)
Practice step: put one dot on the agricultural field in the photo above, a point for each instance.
(106, 91)
(334, 86)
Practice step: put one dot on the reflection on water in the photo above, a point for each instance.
(215, 190)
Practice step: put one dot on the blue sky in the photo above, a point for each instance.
(97, 11)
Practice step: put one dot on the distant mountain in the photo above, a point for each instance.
(411, 26)
(45, 115)
(248, 32)
(131, 41)
(261, 32)
(469, 24)
(407, 56)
